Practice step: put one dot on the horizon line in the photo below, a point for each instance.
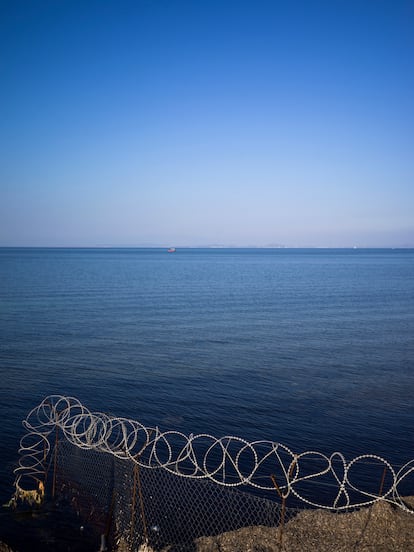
(352, 247)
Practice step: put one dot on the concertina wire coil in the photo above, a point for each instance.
(227, 461)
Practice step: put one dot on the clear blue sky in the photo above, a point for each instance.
(169, 122)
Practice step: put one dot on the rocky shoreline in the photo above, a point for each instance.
(379, 528)
(382, 527)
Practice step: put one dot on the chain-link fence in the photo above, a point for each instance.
(135, 505)
(142, 489)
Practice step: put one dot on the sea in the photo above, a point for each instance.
(312, 348)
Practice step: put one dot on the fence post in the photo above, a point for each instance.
(138, 486)
(141, 503)
(384, 473)
(283, 508)
(133, 505)
(55, 460)
(283, 496)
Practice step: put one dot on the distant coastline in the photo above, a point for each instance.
(213, 246)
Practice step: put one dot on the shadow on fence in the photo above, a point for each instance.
(134, 506)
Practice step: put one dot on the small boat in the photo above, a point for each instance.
(171, 250)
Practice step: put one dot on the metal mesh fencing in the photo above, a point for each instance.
(142, 489)
(136, 506)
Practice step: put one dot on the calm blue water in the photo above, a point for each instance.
(312, 348)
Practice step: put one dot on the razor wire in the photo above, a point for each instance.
(227, 461)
